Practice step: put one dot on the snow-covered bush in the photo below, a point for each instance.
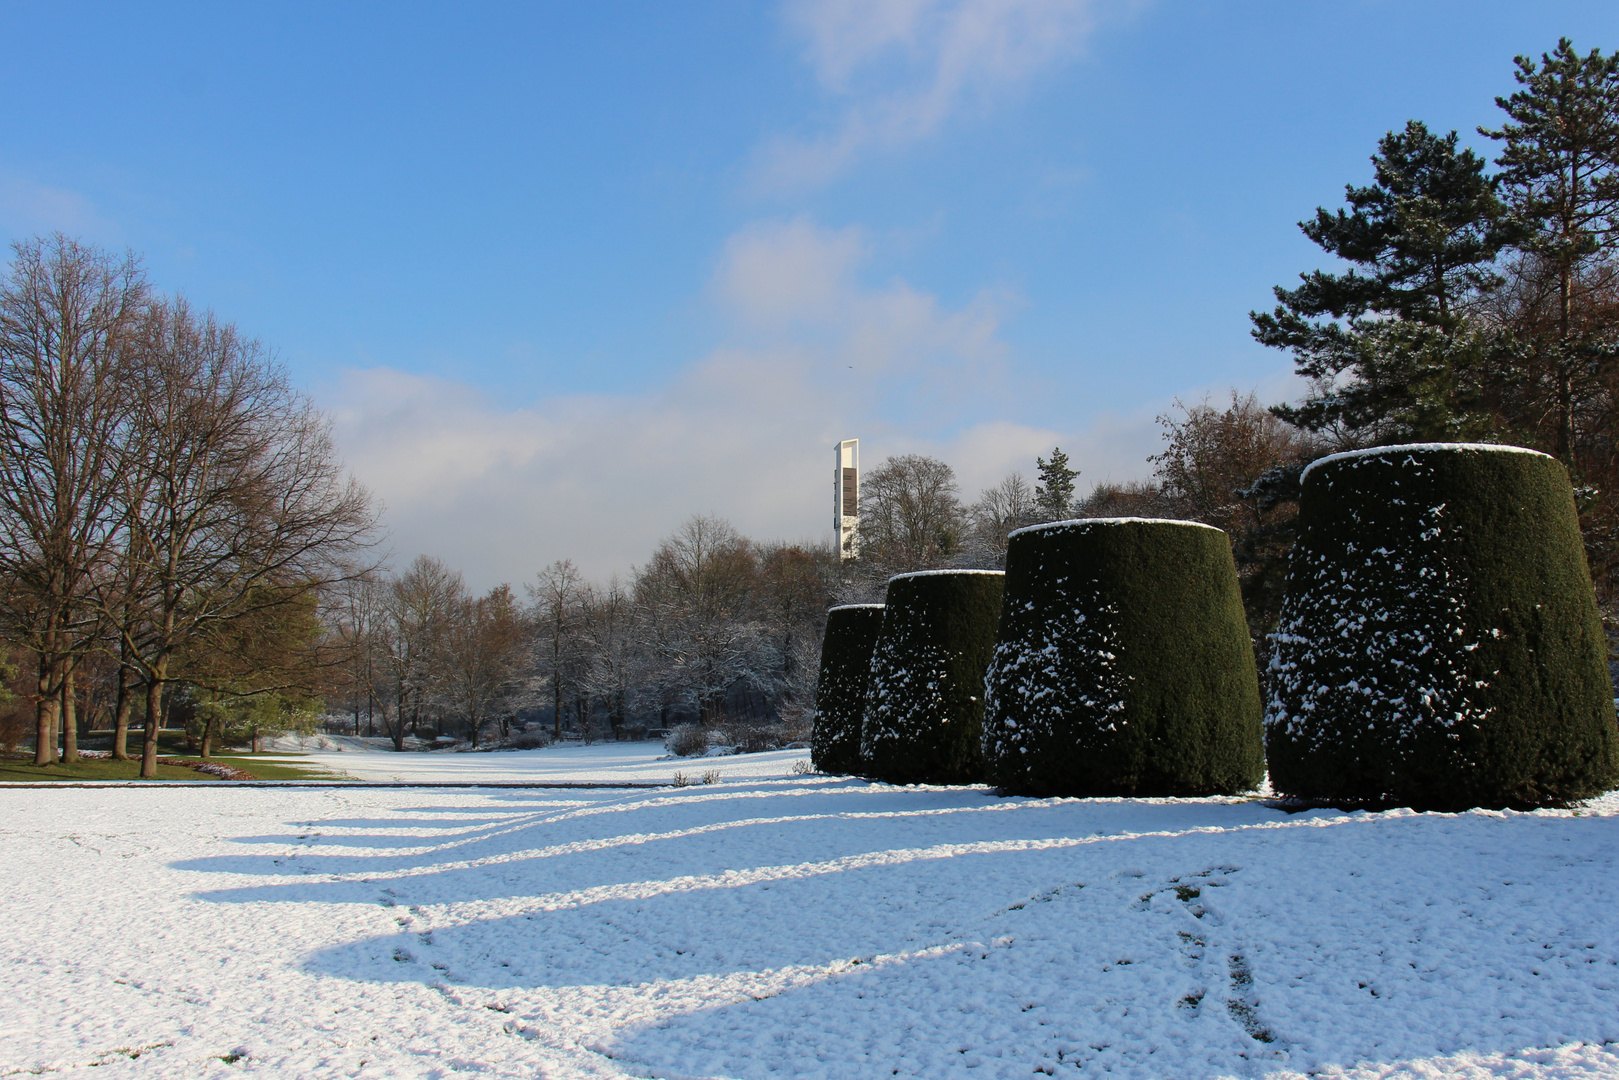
(686, 739)
(840, 691)
(533, 738)
(749, 738)
(1439, 643)
(1123, 664)
(925, 700)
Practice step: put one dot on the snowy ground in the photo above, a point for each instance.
(798, 927)
(632, 762)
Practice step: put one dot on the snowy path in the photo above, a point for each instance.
(635, 762)
(802, 927)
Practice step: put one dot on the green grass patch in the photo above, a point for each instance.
(272, 769)
(23, 770)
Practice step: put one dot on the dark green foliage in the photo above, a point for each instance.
(1439, 644)
(925, 702)
(1123, 665)
(1387, 337)
(1054, 494)
(840, 691)
(1560, 177)
(1560, 154)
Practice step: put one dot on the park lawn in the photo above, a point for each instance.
(23, 770)
(275, 768)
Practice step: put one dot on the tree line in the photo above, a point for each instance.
(714, 629)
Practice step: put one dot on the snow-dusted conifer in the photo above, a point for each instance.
(840, 691)
(925, 701)
(1439, 642)
(1123, 664)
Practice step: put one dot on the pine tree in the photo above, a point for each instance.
(1560, 172)
(1387, 343)
(1054, 495)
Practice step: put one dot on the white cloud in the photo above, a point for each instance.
(902, 68)
(745, 432)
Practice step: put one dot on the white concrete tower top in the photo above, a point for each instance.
(846, 499)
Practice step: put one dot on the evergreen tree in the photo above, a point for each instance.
(1387, 343)
(1054, 495)
(1560, 174)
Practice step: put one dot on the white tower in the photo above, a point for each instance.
(846, 499)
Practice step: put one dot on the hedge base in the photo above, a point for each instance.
(1439, 644)
(924, 711)
(840, 690)
(1124, 665)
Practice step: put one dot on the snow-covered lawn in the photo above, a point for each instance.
(633, 762)
(797, 927)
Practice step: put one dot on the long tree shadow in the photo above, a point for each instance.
(1410, 939)
(728, 932)
(558, 850)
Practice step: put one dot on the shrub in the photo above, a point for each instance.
(686, 739)
(1439, 644)
(1123, 664)
(533, 739)
(840, 689)
(749, 738)
(925, 699)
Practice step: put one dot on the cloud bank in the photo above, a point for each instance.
(812, 356)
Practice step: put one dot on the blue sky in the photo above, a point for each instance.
(565, 274)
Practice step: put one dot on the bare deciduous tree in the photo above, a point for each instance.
(695, 598)
(483, 650)
(67, 313)
(910, 514)
(556, 595)
(233, 500)
(999, 510)
(417, 606)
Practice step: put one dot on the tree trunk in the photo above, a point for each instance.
(45, 715)
(255, 740)
(120, 724)
(154, 716)
(207, 735)
(556, 703)
(70, 718)
(397, 731)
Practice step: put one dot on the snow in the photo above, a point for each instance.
(601, 763)
(1405, 448)
(801, 927)
(855, 607)
(1077, 522)
(941, 573)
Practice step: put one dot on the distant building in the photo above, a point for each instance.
(846, 499)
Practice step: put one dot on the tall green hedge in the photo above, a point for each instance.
(925, 702)
(840, 690)
(1439, 644)
(1123, 665)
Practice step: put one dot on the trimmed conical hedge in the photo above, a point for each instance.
(840, 690)
(1439, 644)
(925, 702)
(1123, 665)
